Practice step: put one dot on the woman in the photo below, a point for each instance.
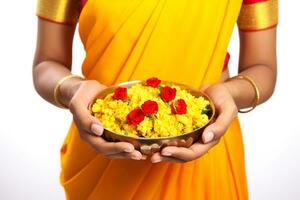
(182, 41)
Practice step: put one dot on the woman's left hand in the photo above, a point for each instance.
(226, 110)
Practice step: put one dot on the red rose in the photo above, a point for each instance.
(120, 93)
(135, 117)
(153, 82)
(178, 107)
(168, 93)
(149, 107)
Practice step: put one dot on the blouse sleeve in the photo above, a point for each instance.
(256, 15)
(59, 11)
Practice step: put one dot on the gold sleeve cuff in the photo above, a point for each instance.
(60, 11)
(258, 16)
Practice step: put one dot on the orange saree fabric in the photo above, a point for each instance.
(175, 40)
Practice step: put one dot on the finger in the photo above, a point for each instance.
(157, 158)
(172, 160)
(187, 154)
(182, 153)
(124, 155)
(108, 148)
(227, 113)
(197, 150)
(144, 157)
(202, 149)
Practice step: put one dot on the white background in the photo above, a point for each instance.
(32, 131)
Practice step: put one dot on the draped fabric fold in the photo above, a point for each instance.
(175, 40)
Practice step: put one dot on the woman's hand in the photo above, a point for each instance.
(226, 110)
(90, 129)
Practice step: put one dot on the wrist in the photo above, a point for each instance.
(244, 92)
(68, 89)
(233, 91)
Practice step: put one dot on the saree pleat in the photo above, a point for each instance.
(185, 181)
(129, 171)
(119, 16)
(171, 182)
(161, 39)
(226, 178)
(175, 40)
(128, 39)
(88, 171)
(236, 160)
(76, 147)
(150, 182)
(158, 192)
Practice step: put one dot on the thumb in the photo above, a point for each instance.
(210, 133)
(96, 127)
(219, 127)
(84, 120)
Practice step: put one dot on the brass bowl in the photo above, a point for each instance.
(151, 145)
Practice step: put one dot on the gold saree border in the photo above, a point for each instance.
(59, 11)
(258, 16)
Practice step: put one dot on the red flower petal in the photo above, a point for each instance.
(135, 117)
(149, 107)
(153, 82)
(179, 107)
(168, 93)
(120, 93)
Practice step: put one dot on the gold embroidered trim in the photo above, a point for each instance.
(258, 16)
(61, 11)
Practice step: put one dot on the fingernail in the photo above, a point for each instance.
(157, 160)
(144, 157)
(208, 137)
(129, 150)
(166, 153)
(136, 157)
(97, 129)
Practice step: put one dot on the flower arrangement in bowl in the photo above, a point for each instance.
(152, 114)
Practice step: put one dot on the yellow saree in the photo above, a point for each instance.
(175, 40)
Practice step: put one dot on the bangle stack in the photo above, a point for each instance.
(57, 89)
(257, 93)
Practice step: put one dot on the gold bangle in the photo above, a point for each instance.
(257, 93)
(57, 89)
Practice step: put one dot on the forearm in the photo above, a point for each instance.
(47, 74)
(243, 92)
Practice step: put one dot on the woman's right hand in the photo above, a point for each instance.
(90, 129)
